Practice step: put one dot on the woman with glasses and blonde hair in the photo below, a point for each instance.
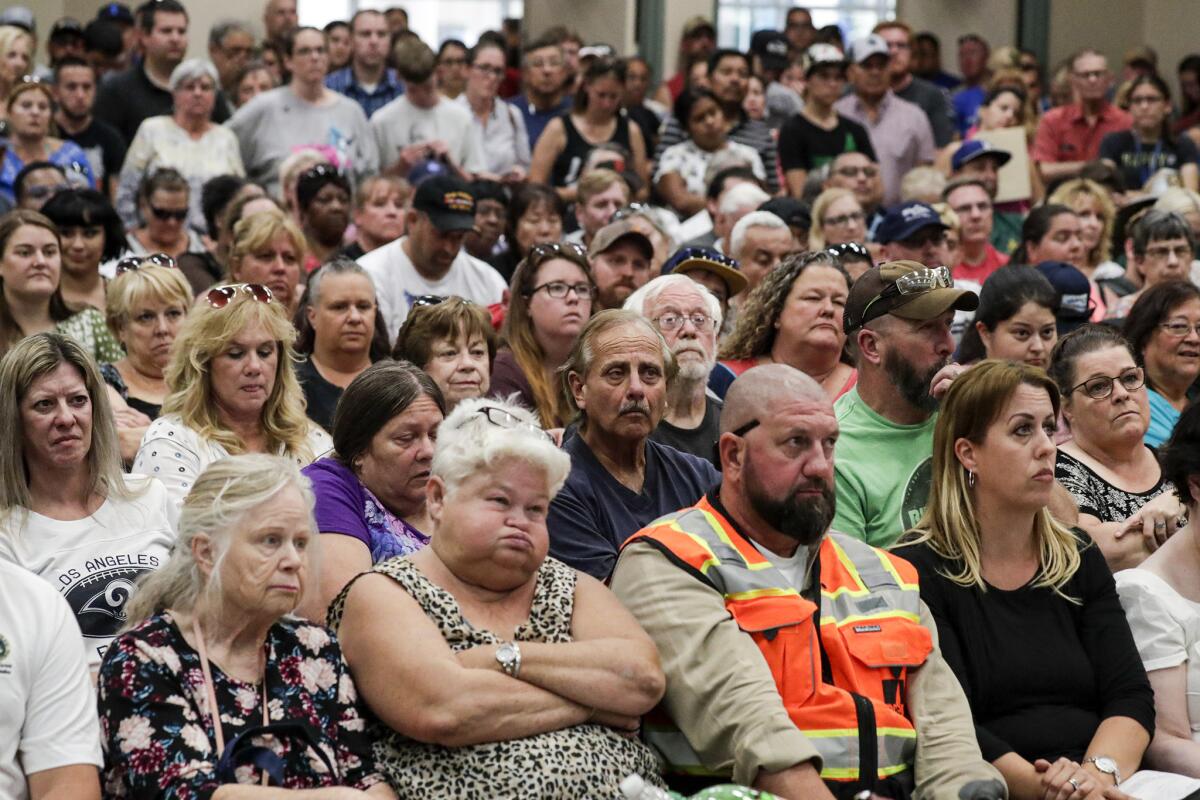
(270, 249)
(1027, 614)
(551, 300)
(233, 390)
(214, 688)
(516, 675)
(67, 514)
(794, 317)
(1126, 505)
(837, 218)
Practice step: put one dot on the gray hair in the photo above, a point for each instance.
(647, 294)
(338, 266)
(222, 499)
(221, 29)
(1157, 226)
(741, 196)
(191, 69)
(755, 219)
(471, 442)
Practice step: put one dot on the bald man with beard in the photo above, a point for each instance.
(736, 591)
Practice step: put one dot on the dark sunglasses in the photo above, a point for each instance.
(321, 171)
(541, 252)
(849, 249)
(166, 213)
(134, 263)
(221, 296)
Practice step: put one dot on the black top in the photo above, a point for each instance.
(803, 145)
(320, 396)
(648, 121)
(113, 378)
(1138, 161)
(570, 161)
(128, 98)
(104, 148)
(699, 441)
(1040, 672)
(1098, 497)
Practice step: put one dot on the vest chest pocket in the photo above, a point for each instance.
(882, 650)
(783, 628)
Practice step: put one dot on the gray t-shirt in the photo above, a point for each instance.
(400, 124)
(276, 123)
(936, 104)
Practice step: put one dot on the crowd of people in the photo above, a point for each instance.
(409, 419)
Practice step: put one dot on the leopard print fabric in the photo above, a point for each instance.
(584, 761)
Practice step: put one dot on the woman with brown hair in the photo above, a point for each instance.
(453, 341)
(552, 292)
(30, 107)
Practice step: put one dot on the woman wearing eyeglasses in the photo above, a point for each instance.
(1163, 328)
(163, 210)
(30, 107)
(370, 491)
(551, 300)
(501, 127)
(233, 389)
(31, 299)
(1125, 504)
(186, 140)
(838, 218)
(794, 317)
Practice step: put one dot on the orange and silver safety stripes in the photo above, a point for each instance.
(869, 630)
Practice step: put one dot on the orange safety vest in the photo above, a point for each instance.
(843, 678)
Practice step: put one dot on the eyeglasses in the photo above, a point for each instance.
(221, 296)
(925, 238)
(1101, 386)
(919, 281)
(628, 211)
(1091, 75)
(502, 419)
(165, 214)
(495, 72)
(134, 263)
(670, 322)
(1182, 252)
(547, 63)
(321, 171)
(1180, 328)
(853, 172)
(540, 253)
(1146, 100)
(452, 62)
(559, 289)
(844, 249)
(845, 219)
(45, 190)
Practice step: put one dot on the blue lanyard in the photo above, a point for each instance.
(1146, 170)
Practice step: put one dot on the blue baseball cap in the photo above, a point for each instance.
(1074, 293)
(978, 148)
(902, 221)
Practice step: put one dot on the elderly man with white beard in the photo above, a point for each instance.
(688, 316)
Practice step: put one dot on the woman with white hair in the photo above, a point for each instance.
(516, 676)
(67, 514)
(212, 657)
(187, 141)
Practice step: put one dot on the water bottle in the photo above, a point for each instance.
(635, 787)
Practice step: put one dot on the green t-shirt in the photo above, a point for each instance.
(882, 471)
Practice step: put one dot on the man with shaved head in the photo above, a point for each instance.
(799, 661)
(617, 378)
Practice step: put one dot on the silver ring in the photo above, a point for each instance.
(1074, 783)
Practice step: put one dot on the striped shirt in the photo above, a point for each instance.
(387, 90)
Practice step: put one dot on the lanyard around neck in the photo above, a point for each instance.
(211, 695)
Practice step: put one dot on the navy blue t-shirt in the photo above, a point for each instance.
(594, 513)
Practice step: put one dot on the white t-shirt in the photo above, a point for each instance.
(397, 282)
(95, 561)
(400, 123)
(176, 454)
(48, 718)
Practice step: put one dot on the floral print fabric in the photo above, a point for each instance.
(156, 728)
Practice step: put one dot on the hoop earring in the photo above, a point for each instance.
(970, 479)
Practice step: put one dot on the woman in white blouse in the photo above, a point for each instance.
(1161, 598)
(501, 127)
(233, 390)
(187, 141)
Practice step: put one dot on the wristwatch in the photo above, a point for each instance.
(1107, 766)
(509, 657)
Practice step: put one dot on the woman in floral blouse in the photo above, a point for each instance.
(213, 628)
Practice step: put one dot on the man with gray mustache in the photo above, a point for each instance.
(688, 316)
(618, 378)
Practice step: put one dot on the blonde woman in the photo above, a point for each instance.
(837, 218)
(269, 248)
(1027, 613)
(233, 390)
(147, 304)
(16, 55)
(212, 631)
(67, 514)
(1097, 214)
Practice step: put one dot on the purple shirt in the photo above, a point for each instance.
(345, 506)
(901, 137)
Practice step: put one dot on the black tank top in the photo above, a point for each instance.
(570, 160)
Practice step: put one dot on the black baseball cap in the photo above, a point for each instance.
(792, 211)
(771, 47)
(448, 203)
(1074, 292)
(905, 289)
(67, 27)
(115, 12)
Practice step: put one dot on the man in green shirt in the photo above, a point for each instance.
(898, 315)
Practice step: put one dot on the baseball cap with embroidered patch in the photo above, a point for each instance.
(448, 203)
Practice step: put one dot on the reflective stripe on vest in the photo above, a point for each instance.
(869, 629)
